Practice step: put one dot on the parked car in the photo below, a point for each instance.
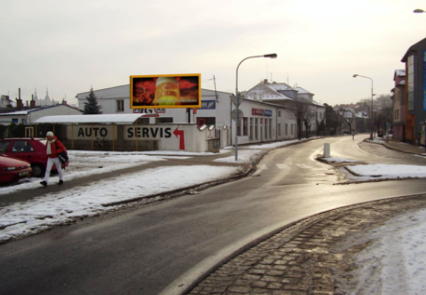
(12, 169)
(32, 150)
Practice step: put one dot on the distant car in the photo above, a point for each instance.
(32, 150)
(12, 169)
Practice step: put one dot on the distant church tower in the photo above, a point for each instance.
(47, 98)
(35, 94)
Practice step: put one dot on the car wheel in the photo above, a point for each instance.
(38, 170)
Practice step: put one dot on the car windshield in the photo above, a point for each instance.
(4, 145)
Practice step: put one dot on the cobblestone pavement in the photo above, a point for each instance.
(306, 257)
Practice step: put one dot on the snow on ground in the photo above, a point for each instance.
(21, 219)
(395, 263)
(388, 171)
(85, 163)
(273, 145)
(244, 156)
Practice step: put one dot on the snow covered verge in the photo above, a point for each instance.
(395, 261)
(22, 219)
(383, 171)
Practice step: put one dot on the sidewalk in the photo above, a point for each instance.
(399, 146)
(312, 256)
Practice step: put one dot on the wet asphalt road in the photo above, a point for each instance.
(167, 245)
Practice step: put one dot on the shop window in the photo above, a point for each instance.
(164, 120)
(256, 135)
(251, 128)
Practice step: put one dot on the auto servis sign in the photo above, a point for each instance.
(131, 132)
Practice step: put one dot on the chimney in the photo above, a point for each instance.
(19, 103)
(265, 81)
(27, 102)
(32, 102)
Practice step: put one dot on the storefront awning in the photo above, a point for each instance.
(90, 119)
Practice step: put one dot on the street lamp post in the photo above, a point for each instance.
(272, 55)
(371, 115)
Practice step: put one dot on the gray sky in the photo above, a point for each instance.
(69, 46)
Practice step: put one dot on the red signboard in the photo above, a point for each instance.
(257, 112)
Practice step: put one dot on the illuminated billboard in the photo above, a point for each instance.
(165, 91)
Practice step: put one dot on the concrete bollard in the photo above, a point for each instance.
(326, 150)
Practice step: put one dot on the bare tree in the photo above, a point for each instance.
(299, 107)
(308, 118)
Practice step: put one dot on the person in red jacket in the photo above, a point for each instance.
(53, 147)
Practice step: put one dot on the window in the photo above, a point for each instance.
(4, 145)
(21, 146)
(245, 127)
(120, 105)
(266, 128)
(410, 83)
(292, 131)
(251, 128)
(279, 113)
(256, 121)
(286, 129)
(270, 128)
(279, 129)
(164, 120)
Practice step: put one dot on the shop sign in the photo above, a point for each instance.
(257, 112)
(261, 112)
(149, 111)
(208, 105)
(87, 132)
(268, 113)
(148, 132)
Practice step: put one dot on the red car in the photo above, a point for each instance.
(13, 169)
(32, 150)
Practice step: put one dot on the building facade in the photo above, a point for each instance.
(399, 98)
(415, 68)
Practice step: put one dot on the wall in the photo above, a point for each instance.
(170, 137)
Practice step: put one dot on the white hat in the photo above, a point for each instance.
(50, 133)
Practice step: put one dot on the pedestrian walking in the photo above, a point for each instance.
(53, 148)
(353, 135)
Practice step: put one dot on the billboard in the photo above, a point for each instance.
(165, 91)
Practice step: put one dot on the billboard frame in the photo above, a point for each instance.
(165, 106)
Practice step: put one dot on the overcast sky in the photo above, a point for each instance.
(69, 46)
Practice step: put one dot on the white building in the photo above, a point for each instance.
(285, 95)
(262, 121)
(29, 116)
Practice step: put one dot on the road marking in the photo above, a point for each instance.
(259, 170)
(303, 166)
(282, 166)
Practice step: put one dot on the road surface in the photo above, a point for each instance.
(163, 247)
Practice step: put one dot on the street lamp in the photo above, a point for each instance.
(272, 55)
(371, 115)
(419, 11)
